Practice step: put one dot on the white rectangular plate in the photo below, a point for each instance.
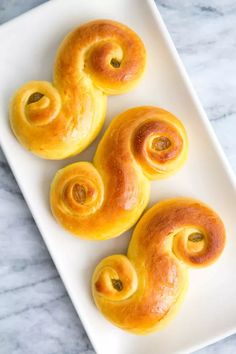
(28, 46)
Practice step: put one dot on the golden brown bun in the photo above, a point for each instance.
(59, 119)
(142, 292)
(101, 200)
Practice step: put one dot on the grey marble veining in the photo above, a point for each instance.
(36, 315)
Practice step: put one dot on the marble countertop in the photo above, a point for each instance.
(36, 314)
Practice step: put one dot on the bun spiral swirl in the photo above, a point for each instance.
(102, 200)
(142, 292)
(59, 119)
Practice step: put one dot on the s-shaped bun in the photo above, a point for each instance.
(142, 292)
(60, 119)
(102, 200)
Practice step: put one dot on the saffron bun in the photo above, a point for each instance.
(103, 199)
(142, 292)
(59, 119)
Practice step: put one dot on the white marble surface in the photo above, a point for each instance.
(36, 315)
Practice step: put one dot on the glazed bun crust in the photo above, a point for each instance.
(60, 119)
(142, 292)
(102, 200)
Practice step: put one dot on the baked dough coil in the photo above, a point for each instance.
(60, 119)
(142, 292)
(104, 199)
